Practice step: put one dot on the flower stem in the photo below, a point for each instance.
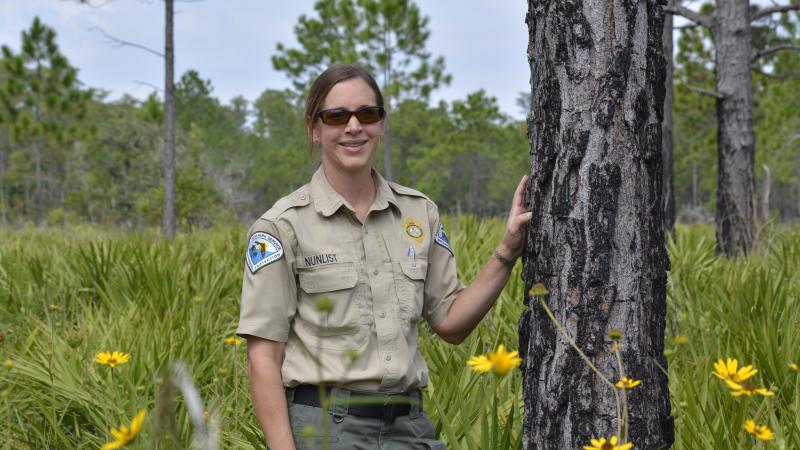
(624, 395)
(586, 359)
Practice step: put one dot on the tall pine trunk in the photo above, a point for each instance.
(666, 130)
(597, 237)
(168, 219)
(736, 201)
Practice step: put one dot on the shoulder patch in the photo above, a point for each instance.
(263, 249)
(441, 239)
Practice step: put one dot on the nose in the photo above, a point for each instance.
(353, 125)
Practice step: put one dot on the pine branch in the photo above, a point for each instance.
(764, 12)
(774, 49)
(694, 16)
(705, 91)
(117, 42)
(144, 83)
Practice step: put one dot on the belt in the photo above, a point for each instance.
(363, 404)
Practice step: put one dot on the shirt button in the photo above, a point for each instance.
(388, 357)
(302, 197)
(382, 315)
(375, 272)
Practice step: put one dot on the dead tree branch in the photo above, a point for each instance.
(694, 16)
(705, 91)
(770, 50)
(764, 12)
(117, 42)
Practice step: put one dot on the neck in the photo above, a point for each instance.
(358, 189)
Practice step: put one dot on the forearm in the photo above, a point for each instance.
(472, 304)
(269, 402)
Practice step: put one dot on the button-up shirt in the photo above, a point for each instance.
(346, 295)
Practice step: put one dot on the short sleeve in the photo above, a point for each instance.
(441, 282)
(269, 291)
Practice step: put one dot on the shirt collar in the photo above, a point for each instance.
(327, 201)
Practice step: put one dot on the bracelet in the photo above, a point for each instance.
(503, 260)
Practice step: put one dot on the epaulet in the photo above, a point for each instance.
(402, 190)
(300, 197)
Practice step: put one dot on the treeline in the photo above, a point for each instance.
(69, 154)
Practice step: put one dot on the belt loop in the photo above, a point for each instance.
(289, 395)
(416, 401)
(339, 401)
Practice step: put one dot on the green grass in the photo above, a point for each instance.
(67, 294)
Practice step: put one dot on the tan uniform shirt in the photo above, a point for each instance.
(380, 276)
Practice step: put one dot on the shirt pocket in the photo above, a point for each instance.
(410, 287)
(337, 283)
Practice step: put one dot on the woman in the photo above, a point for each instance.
(337, 275)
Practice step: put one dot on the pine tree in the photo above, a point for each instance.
(41, 99)
(596, 240)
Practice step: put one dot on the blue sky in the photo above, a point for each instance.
(230, 42)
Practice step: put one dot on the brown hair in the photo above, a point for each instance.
(323, 85)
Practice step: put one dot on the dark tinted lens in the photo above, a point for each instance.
(338, 116)
(369, 114)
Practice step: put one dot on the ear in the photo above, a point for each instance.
(312, 131)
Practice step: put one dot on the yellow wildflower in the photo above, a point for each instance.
(499, 360)
(730, 371)
(503, 361)
(8, 364)
(681, 339)
(233, 340)
(480, 363)
(739, 389)
(793, 366)
(628, 383)
(759, 431)
(125, 435)
(111, 359)
(611, 444)
(615, 334)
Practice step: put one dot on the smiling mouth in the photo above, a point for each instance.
(353, 144)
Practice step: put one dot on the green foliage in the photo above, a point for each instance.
(84, 291)
(42, 108)
(472, 158)
(744, 309)
(386, 36)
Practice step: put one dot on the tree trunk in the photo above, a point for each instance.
(695, 184)
(765, 202)
(168, 219)
(3, 199)
(666, 130)
(736, 210)
(37, 191)
(388, 171)
(597, 237)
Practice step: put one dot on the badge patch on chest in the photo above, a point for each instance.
(262, 250)
(414, 230)
(442, 240)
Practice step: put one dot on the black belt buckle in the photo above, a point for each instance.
(387, 412)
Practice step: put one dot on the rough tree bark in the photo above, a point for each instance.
(730, 26)
(597, 238)
(736, 181)
(168, 219)
(666, 130)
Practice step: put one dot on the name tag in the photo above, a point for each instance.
(316, 260)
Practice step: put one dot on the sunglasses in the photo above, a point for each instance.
(340, 116)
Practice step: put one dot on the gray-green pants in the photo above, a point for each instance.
(348, 432)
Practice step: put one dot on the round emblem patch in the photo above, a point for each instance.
(414, 230)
